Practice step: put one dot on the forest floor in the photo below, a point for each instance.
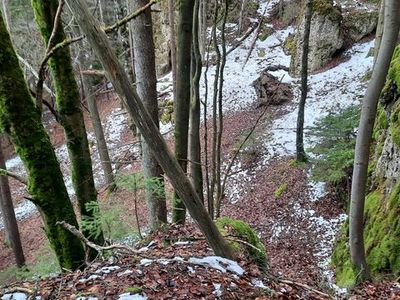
(297, 225)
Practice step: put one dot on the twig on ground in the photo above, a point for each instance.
(304, 286)
(118, 247)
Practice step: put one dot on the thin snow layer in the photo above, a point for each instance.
(238, 92)
(335, 89)
(218, 263)
(128, 296)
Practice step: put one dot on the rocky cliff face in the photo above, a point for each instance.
(334, 26)
(382, 207)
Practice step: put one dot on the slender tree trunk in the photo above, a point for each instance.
(145, 69)
(69, 107)
(379, 30)
(211, 203)
(99, 133)
(21, 121)
(195, 169)
(300, 153)
(241, 16)
(9, 219)
(172, 41)
(6, 12)
(220, 111)
(149, 130)
(182, 101)
(363, 142)
(203, 28)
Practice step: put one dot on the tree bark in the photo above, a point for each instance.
(69, 108)
(6, 12)
(300, 153)
(99, 133)
(363, 142)
(379, 30)
(9, 219)
(172, 42)
(21, 121)
(149, 130)
(146, 79)
(182, 99)
(195, 169)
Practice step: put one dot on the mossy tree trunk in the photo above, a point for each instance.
(69, 108)
(146, 78)
(182, 99)
(363, 142)
(21, 121)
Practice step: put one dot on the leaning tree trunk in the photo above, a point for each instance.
(182, 99)
(21, 121)
(300, 153)
(195, 170)
(149, 130)
(363, 142)
(146, 78)
(69, 108)
(9, 219)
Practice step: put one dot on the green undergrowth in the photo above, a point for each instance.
(333, 153)
(240, 230)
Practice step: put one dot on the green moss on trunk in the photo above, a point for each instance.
(69, 107)
(242, 231)
(21, 121)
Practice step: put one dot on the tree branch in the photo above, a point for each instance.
(21, 179)
(50, 46)
(122, 248)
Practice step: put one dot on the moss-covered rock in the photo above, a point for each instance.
(242, 231)
(358, 23)
(325, 36)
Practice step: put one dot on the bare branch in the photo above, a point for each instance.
(130, 17)
(121, 248)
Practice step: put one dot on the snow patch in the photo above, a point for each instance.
(218, 263)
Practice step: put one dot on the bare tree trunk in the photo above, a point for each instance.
(363, 142)
(149, 130)
(146, 78)
(182, 100)
(220, 111)
(195, 169)
(241, 16)
(99, 133)
(203, 28)
(6, 13)
(300, 153)
(172, 41)
(379, 30)
(7, 210)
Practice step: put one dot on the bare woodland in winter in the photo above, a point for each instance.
(199, 149)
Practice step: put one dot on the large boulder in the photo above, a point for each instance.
(325, 37)
(359, 22)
